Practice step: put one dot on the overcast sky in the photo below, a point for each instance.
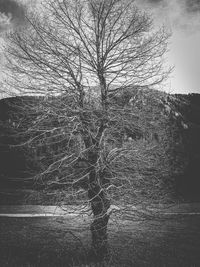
(182, 17)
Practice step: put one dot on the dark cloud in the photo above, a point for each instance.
(150, 2)
(155, 1)
(5, 21)
(192, 6)
(14, 9)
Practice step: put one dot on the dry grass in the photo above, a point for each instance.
(66, 242)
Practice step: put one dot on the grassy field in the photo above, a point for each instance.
(65, 241)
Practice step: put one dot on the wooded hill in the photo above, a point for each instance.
(165, 132)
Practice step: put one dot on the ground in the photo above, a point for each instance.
(165, 241)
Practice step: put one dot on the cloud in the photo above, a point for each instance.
(182, 17)
(12, 13)
(192, 6)
(154, 1)
(5, 21)
(150, 3)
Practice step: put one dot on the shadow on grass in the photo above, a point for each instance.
(37, 257)
(60, 243)
(35, 242)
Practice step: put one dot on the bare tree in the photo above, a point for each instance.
(76, 57)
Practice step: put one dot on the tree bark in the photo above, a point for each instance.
(96, 195)
(99, 204)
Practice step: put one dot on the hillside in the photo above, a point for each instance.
(189, 182)
(170, 124)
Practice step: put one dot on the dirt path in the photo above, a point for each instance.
(41, 211)
(187, 209)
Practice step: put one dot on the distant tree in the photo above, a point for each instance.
(77, 56)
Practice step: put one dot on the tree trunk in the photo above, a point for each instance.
(97, 196)
(99, 236)
(99, 204)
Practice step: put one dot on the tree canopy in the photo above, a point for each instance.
(78, 57)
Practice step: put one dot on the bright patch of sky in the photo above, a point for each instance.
(181, 17)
